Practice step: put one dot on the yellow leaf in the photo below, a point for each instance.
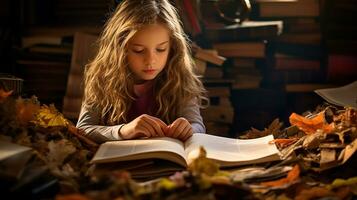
(50, 117)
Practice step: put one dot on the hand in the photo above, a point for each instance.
(143, 126)
(180, 129)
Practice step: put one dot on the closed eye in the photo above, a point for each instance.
(138, 51)
(161, 50)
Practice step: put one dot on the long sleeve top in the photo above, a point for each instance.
(90, 119)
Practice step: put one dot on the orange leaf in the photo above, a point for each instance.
(4, 94)
(292, 176)
(309, 126)
(25, 111)
(283, 142)
(71, 197)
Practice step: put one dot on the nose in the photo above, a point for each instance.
(150, 58)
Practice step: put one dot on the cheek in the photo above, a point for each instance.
(164, 59)
(134, 62)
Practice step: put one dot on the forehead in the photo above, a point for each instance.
(152, 33)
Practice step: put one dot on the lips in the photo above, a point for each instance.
(149, 71)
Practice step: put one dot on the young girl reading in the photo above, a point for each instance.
(141, 82)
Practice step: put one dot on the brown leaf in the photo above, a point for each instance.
(71, 197)
(282, 143)
(26, 110)
(4, 94)
(313, 193)
(292, 176)
(58, 151)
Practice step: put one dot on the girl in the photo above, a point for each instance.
(141, 82)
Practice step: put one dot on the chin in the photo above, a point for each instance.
(148, 78)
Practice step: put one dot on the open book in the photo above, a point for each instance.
(227, 152)
(341, 96)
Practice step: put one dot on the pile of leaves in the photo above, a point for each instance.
(318, 152)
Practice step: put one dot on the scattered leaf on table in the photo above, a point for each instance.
(292, 176)
(310, 126)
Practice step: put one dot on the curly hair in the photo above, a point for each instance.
(108, 80)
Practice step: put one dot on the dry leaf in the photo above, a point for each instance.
(203, 165)
(284, 142)
(71, 197)
(292, 176)
(26, 110)
(59, 151)
(314, 193)
(49, 117)
(310, 126)
(4, 94)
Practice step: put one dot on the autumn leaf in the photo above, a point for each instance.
(310, 126)
(283, 142)
(26, 110)
(48, 116)
(292, 176)
(203, 165)
(71, 197)
(59, 151)
(4, 94)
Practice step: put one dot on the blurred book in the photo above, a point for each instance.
(13, 159)
(286, 8)
(28, 41)
(341, 96)
(248, 30)
(250, 49)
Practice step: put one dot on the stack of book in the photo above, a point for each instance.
(245, 45)
(83, 50)
(43, 63)
(218, 116)
(298, 50)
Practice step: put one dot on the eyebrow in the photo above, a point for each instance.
(158, 44)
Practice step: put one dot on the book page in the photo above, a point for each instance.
(341, 96)
(163, 148)
(232, 152)
(8, 149)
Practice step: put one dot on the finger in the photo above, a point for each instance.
(189, 133)
(185, 132)
(148, 129)
(159, 121)
(155, 125)
(162, 125)
(178, 127)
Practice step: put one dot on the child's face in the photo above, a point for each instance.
(148, 52)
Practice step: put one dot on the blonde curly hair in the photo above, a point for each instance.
(108, 80)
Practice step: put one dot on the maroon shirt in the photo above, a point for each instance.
(144, 102)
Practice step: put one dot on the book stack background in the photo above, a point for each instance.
(297, 65)
(218, 116)
(84, 49)
(248, 49)
(340, 30)
(43, 62)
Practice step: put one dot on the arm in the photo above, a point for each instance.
(189, 122)
(89, 121)
(192, 113)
